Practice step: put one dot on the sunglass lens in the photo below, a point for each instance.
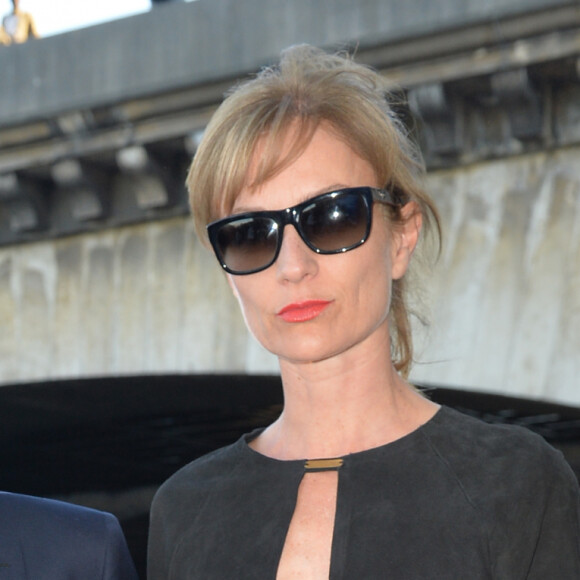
(335, 223)
(248, 244)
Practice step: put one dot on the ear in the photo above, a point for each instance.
(405, 239)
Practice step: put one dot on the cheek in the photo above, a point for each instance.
(377, 294)
(367, 271)
(243, 295)
(251, 297)
(375, 269)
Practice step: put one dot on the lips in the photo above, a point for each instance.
(303, 311)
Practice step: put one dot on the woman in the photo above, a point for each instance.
(313, 197)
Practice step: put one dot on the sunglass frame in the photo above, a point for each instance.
(291, 216)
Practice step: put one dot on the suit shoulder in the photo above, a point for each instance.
(42, 509)
(58, 538)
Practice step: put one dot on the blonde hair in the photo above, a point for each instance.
(307, 88)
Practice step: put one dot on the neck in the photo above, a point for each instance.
(342, 405)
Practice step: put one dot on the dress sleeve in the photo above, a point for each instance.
(158, 549)
(556, 553)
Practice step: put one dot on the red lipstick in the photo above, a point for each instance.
(303, 311)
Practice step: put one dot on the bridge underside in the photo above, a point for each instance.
(97, 127)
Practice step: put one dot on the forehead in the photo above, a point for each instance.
(325, 162)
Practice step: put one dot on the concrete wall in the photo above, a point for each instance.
(135, 300)
(505, 296)
(183, 44)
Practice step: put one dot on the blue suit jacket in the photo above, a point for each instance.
(43, 539)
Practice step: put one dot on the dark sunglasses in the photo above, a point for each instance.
(330, 223)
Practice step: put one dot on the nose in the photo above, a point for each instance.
(295, 260)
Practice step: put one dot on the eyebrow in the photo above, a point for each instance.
(326, 189)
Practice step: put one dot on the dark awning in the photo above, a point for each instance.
(110, 434)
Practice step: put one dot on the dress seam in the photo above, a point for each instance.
(464, 492)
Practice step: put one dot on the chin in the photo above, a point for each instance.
(306, 353)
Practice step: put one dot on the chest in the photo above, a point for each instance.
(357, 522)
(308, 543)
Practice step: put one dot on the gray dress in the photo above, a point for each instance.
(457, 499)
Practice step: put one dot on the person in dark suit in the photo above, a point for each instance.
(43, 539)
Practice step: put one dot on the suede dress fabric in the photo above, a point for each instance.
(455, 499)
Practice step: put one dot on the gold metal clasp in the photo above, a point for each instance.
(323, 464)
